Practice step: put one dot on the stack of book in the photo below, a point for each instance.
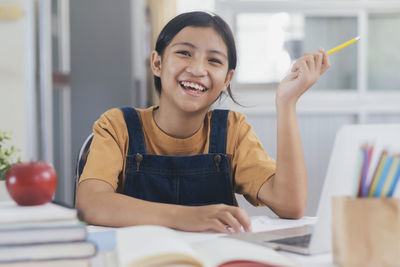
(44, 235)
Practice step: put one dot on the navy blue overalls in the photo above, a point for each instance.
(185, 180)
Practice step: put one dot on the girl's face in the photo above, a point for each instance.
(193, 69)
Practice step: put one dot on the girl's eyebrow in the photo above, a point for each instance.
(193, 46)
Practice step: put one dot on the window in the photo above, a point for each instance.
(272, 34)
(383, 52)
(268, 43)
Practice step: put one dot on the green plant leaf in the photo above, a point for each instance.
(8, 153)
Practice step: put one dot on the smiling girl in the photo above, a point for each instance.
(179, 164)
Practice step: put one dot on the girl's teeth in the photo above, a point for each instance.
(193, 85)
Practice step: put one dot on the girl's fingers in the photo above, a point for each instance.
(302, 66)
(314, 60)
(311, 62)
(318, 60)
(234, 217)
(244, 220)
(294, 67)
(309, 58)
(326, 63)
(231, 221)
(218, 226)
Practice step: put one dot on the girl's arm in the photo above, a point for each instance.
(286, 192)
(102, 206)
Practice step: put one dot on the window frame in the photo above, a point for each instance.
(359, 101)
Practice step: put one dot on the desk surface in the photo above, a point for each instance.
(259, 223)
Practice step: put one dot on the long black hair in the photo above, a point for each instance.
(197, 19)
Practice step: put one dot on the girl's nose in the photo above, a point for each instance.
(196, 68)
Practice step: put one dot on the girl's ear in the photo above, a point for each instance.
(229, 78)
(156, 63)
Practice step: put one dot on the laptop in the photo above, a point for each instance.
(340, 180)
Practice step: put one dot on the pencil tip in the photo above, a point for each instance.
(358, 38)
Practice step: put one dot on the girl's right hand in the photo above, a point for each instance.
(218, 218)
(304, 73)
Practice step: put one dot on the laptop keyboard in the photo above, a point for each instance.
(297, 241)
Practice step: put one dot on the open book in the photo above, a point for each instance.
(150, 246)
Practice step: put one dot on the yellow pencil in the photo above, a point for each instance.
(352, 41)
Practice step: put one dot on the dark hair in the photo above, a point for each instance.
(197, 19)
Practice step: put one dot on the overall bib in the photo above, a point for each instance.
(185, 180)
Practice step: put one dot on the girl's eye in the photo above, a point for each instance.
(214, 60)
(185, 53)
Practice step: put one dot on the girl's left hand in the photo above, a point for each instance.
(305, 72)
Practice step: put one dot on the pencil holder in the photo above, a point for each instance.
(366, 231)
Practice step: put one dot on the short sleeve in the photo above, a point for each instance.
(108, 148)
(251, 165)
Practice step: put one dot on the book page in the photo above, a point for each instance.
(149, 245)
(222, 250)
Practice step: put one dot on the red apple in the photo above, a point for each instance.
(31, 183)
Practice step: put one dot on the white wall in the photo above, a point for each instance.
(13, 99)
(194, 5)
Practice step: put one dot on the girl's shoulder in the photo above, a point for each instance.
(235, 118)
(112, 117)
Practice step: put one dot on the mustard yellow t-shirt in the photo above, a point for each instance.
(250, 164)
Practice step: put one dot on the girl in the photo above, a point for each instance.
(179, 164)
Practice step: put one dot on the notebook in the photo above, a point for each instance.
(340, 180)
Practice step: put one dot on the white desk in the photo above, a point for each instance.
(259, 223)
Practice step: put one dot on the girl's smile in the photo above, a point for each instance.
(193, 88)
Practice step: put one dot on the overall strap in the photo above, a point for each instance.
(135, 131)
(219, 130)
